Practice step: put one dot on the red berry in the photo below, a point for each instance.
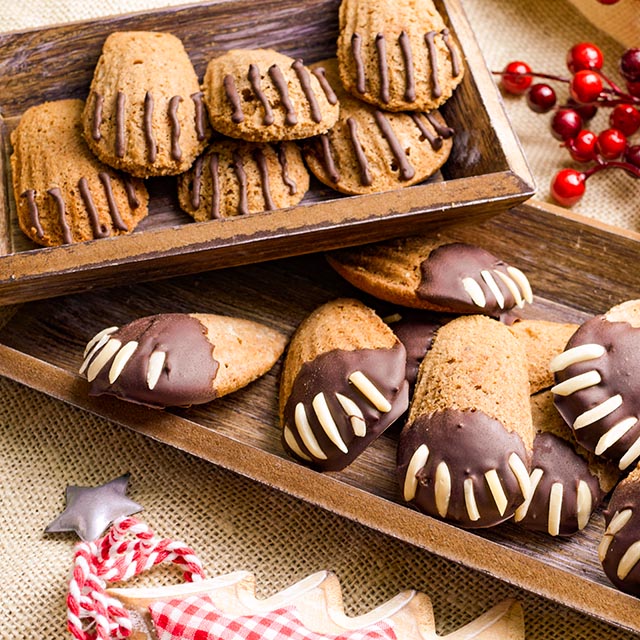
(585, 111)
(565, 124)
(611, 144)
(541, 98)
(625, 118)
(634, 88)
(583, 147)
(632, 155)
(514, 79)
(584, 55)
(586, 86)
(630, 65)
(567, 187)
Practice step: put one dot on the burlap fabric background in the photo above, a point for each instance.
(231, 522)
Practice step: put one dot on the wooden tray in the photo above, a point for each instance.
(486, 172)
(41, 346)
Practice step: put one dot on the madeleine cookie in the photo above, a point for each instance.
(398, 55)
(343, 383)
(145, 113)
(264, 96)
(465, 451)
(63, 193)
(369, 150)
(425, 272)
(567, 482)
(179, 359)
(598, 384)
(235, 178)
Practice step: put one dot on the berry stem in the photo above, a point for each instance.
(612, 164)
(535, 74)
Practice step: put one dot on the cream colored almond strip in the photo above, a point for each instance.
(632, 453)
(598, 412)
(442, 488)
(581, 353)
(355, 415)
(306, 433)
(614, 434)
(370, 391)
(121, 359)
(520, 472)
(289, 438)
(96, 348)
(604, 545)
(585, 504)
(534, 480)
(555, 508)
(327, 422)
(470, 500)
(497, 491)
(629, 560)
(105, 332)
(577, 383)
(417, 462)
(522, 281)
(619, 520)
(513, 288)
(108, 351)
(491, 283)
(154, 368)
(475, 292)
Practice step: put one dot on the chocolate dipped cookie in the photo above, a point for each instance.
(568, 483)
(597, 388)
(428, 272)
(343, 383)
(265, 96)
(465, 451)
(236, 178)
(399, 56)
(145, 113)
(369, 150)
(179, 359)
(63, 193)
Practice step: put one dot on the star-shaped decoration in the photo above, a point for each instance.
(90, 510)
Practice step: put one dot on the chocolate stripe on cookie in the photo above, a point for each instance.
(356, 43)
(120, 115)
(148, 127)
(280, 84)
(196, 186)
(238, 167)
(365, 175)
(232, 95)
(406, 170)
(34, 216)
(455, 62)
(199, 115)
(99, 230)
(405, 47)
(117, 220)
(319, 72)
(434, 141)
(56, 194)
(174, 103)
(254, 79)
(98, 102)
(129, 187)
(261, 161)
(215, 186)
(441, 129)
(284, 165)
(383, 69)
(433, 60)
(303, 77)
(327, 154)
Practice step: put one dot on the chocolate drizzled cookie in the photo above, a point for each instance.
(145, 113)
(236, 178)
(427, 272)
(63, 193)
(465, 451)
(400, 55)
(179, 359)
(343, 383)
(369, 150)
(265, 96)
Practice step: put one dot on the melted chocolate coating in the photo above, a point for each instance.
(446, 267)
(189, 368)
(470, 443)
(619, 369)
(329, 373)
(559, 463)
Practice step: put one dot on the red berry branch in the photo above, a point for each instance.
(589, 90)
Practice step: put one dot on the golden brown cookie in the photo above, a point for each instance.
(235, 178)
(179, 359)
(369, 150)
(465, 451)
(427, 272)
(265, 96)
(145, 112)
(398, 55)
(63, 193)
(567, 482)
(343, 383)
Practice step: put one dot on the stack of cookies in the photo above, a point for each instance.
(367, 122)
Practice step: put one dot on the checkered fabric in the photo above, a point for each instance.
(197, 618)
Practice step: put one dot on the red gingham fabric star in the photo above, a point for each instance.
(197, 618)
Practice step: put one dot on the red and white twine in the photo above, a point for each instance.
(91, 613)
